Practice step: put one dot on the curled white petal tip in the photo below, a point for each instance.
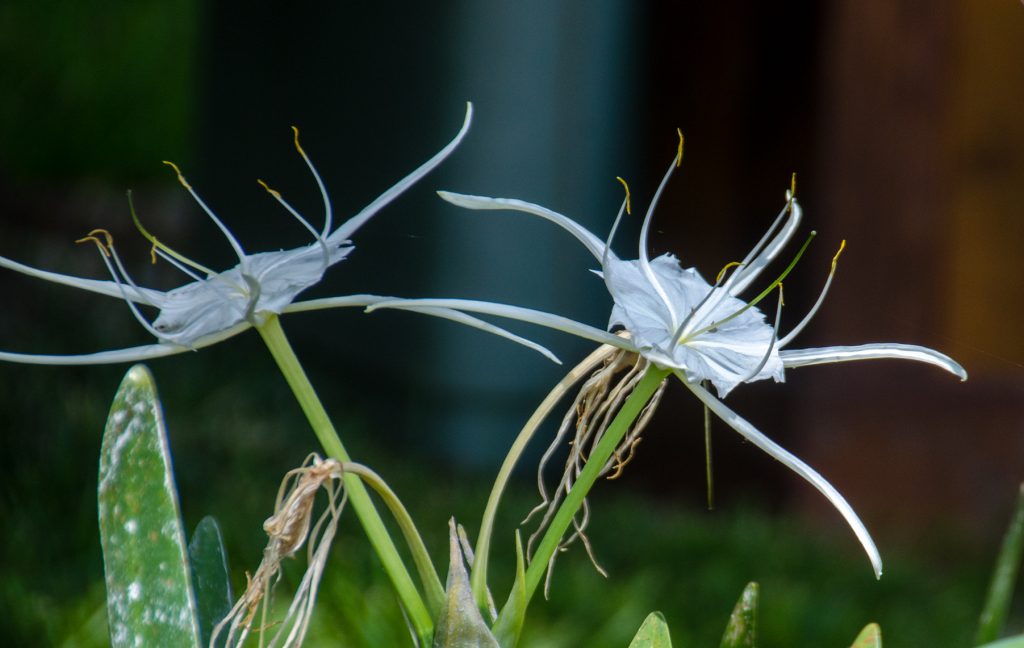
(826, 355)
(794, 463)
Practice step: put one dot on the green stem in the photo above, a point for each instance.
(630, 410)
(478, 578)
(359, 498)
(420, 556)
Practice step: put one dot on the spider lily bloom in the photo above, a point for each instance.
(217, 305)
(698, 330)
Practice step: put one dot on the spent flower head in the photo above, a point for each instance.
(699, 330)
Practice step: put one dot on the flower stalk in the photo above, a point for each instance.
(359, 498)
(631, 409)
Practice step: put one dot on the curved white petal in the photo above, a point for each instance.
(334, 302)
(593, 244)
(825, 355)
(346, 229)
(752, 267)
(446, 313)
(540, 318)
(477, 323)
(108, 288)
(130, 354)
(752, 434)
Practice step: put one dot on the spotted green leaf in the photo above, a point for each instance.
(149, 591)
(653, 633)
(741, 631)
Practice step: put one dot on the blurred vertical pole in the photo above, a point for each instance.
(548, 83)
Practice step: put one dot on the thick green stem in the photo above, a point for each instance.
(629, 412)
(359, 498)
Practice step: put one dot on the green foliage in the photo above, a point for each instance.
(509, 625)
(210, 576)
(742, 629)
(149, 590)
(1000, 591)
(653, 633)
(460, 624)
(869, 637)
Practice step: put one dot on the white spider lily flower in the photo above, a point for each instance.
(701, 331)
(215, 306)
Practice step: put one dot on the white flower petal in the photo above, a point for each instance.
(346, 229)
(131, 354)
(593, 244)
(469, 320)
(446, 313)
(540, 318)
(752, 434)
(751, 268)
(825, 355)
(334, 302)
(108, 288)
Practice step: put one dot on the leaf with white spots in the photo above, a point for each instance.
(149, 587)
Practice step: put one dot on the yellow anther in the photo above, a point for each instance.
(103, 245)
(629, 207)
(298, 147)
(792, 186)
(721, 273)
(152, 251)
(782, 301)
(275, 194)
(679, 153)
(835, 259)
(181, 178)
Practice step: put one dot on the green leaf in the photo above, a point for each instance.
(741, 631)
(149, 585)
(1000, 590)
(653, 633)
(510, 622)
(460, 624)
(210, 576)
(869, 637)
(1011, 642)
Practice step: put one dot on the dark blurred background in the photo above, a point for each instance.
(901, 118)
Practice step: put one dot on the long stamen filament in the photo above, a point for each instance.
(767, 235)
(771, 344)
(328, 212)
(235, 245)
(161, 247)
(291, 210)
(817, 304)
(644, 261)
(607, 254)
(757, 299)
(678, 335)
(107, 252)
